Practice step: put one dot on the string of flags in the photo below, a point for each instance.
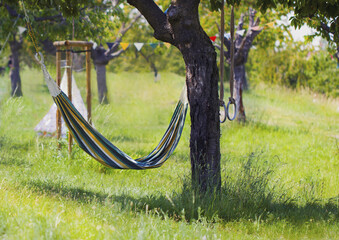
(242, 32)
(137, 45)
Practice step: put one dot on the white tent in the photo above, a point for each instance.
(47, 126)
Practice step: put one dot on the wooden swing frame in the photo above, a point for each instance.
(68, 44)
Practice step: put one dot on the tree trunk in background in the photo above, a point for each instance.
(242, 46)
(15, 68)
(78, 62)
(239, 80)
(100, 61)
(101, 81)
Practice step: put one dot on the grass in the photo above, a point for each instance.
(279, 170)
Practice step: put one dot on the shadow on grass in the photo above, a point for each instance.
(247, 194)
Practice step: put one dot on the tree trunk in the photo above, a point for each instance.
(202, 83)
(15, 69)
(78, 62)
(180, 26)
(239, 79)
(242, 47)
(101, 81)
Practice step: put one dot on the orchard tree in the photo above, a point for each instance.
(180, 26)
(101, 56)
(8, 18)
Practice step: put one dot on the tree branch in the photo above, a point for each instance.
(252, 13)
(56, 18)
(114, 55)
(226, 53)
(155, 17)
(241, 22)
(122, 32)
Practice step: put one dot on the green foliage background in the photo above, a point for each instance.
(295, 68)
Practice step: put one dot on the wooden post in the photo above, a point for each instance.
(88, 84)
(69, 89)
(58, 79)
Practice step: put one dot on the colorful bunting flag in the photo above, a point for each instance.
(168, 45)
(124, 45)
(227, 35)
(270, 24)
(154, 45)
(213, 38)
(110, 45)
(138, 45)
(240, 32)
(21, 30)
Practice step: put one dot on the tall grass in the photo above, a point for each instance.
(279, 170)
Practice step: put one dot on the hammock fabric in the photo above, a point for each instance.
(97, 146)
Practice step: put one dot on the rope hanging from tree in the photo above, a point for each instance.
(222, 33)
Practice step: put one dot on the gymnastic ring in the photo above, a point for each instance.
(225, 109)
(231, 101)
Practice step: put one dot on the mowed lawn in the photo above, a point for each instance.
(280, 170)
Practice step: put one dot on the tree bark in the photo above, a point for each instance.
(102, 85)
(78, 61)
(180, 26)
(202, 82)
(239, 79)
(14, 74)
(100, 61)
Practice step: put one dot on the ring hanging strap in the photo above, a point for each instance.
(222, 33)
(231, 99)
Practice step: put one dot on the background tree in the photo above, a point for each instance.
(242, 47)
(9, 20)
(101, 56)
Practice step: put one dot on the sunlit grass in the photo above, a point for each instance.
(280, 170)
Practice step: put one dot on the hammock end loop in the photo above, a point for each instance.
(41, 59)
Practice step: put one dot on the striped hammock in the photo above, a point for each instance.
(97, 146)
